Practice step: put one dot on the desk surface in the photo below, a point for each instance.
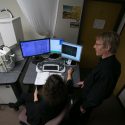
(13, 75)
(31, 73)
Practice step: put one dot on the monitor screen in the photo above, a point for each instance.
(35, 47)
(55, 45)
(71, 51)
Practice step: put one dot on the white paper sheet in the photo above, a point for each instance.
(41, 78)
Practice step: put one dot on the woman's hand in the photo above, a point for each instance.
(35, 95)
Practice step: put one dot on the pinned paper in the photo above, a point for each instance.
(99, 24)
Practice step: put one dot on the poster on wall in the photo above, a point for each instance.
(68, 19)
(72, 12)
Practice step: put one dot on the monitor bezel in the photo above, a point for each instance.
(73, 45)
(31, 41)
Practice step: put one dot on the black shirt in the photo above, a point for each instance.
(101, 82)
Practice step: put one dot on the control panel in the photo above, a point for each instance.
(51, 66)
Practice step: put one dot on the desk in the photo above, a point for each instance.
(31, 73)
(9, 86)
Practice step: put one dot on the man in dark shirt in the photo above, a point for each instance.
(101, 82)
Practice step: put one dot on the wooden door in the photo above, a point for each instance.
(95, 10)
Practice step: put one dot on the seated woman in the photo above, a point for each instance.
(46, 102)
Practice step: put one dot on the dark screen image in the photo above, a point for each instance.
(70, 50)
(50, 67)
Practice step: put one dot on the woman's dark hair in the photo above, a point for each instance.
(55, 90)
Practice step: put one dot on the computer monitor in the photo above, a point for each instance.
(71, 51)
(55, 45)
(55, 48)
(35, 47)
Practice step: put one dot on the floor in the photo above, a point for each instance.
(8, 116)
(109, 113)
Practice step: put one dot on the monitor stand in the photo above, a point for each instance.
(36, 59)
(45, 56)
(54, 56)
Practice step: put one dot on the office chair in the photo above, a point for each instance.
(22, 117)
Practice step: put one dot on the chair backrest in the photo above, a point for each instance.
(22, 116)
(57, 120)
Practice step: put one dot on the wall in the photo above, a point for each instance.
(63, 29)
(15, 9)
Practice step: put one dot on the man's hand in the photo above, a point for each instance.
(79, 84)
(69, 73)
(82, 109)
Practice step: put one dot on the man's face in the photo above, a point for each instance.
(99, 47)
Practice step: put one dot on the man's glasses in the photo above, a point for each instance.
(98, 44)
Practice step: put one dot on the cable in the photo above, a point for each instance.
(12, 16)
